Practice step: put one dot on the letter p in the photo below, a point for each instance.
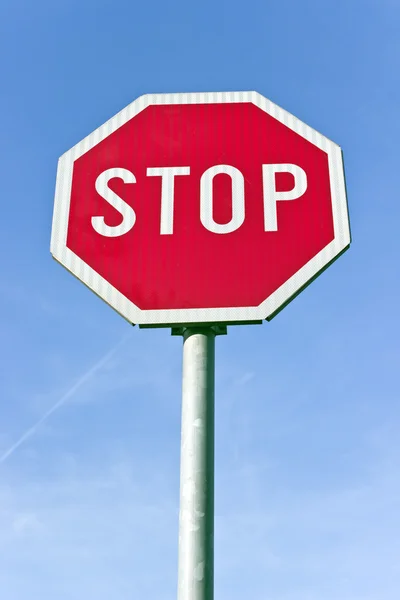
(271, 196)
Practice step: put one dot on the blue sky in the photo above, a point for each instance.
(307, 406)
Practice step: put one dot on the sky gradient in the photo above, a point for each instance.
(307, 406)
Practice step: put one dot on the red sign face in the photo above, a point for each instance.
(200, 208)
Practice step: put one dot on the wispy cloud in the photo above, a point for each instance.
(68, 394)
(95, 534)
(245, 378)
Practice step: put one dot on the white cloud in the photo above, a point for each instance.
(83, 536)
(109, 529)
(24, 523)
(87, 376)
(245, 378)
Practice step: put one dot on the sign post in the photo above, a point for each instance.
(198, 211)
(196, 514)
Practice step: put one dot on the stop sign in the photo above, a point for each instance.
(188, 208)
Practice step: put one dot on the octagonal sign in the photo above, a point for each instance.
(187, 208)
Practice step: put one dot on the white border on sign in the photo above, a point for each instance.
(273, 303)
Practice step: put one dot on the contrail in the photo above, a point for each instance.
(78, 384)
